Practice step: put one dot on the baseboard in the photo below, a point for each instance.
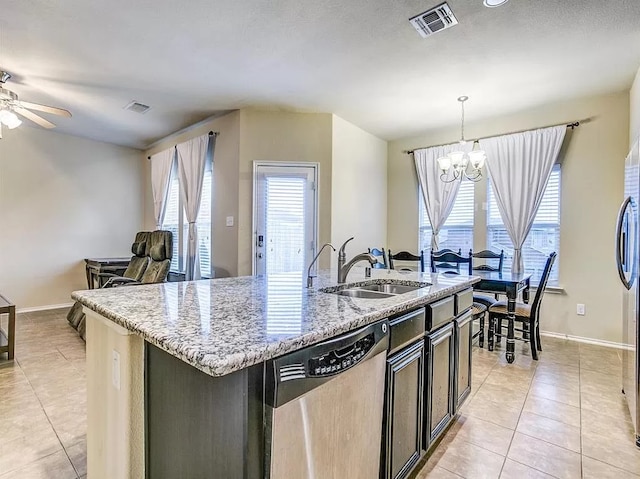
(580, 339)
(46, 307)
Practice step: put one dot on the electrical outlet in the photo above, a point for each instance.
(115, 372)
(229, 220)
(580, 309)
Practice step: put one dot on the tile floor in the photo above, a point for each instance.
(563, 416)
(43, 405)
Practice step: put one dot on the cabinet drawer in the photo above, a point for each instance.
(405, 329)
(440, 312)
(464, 300)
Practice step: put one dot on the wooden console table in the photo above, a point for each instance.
(95, 266)
(7, 340)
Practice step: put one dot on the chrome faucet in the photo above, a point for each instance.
(309, 277)
(343, 269)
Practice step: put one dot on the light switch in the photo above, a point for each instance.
(580, 309)
(229, 220)
(115, 373)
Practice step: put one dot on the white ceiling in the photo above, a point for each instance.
(359, 59)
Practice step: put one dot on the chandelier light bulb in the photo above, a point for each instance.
(444, 163)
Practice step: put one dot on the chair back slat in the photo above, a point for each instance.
(450, 261)
(408, 257)
(488, 254)
(381, 256)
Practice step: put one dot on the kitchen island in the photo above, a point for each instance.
(177, 372)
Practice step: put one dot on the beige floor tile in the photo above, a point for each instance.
(436, 473)
(613, 450)
(515, 470)
(510, 398)
(545, 457)
(78, 456)
(605, 404)
(470, 461)
(491, 411)
(20, 452)
(567, 394)
(54, 466)
(559, 369)
(592, 469)
(508, 379)
(485, 434)
(558, 378)
(553, 410)
(550, 430)
(596, 423)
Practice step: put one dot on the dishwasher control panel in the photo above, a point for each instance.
(338, 360)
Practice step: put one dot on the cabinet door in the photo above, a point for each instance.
(464, 334)
(403, 412)
(440, 394)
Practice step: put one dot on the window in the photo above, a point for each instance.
(543, 239)
(175, 221)
(457, 231)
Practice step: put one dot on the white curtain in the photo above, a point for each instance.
(192, 157)
(438, 195)
(519, 167)
(161, 164)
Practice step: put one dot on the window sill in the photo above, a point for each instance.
(551, 289)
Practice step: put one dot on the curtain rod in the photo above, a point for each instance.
(211, 133)
(571, 125)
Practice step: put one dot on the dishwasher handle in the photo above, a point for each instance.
(297, 373)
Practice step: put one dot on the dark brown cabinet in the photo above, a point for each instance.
(439, 382)
(402, 436)
(463, 337)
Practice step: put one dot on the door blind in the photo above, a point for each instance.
(285, 223)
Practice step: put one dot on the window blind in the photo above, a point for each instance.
(285, 226)
(543, 239)
(171, 221)
(204, 226)
(457, 231)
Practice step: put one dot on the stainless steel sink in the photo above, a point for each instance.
(371, 290)
(390, 288)
(363, 293)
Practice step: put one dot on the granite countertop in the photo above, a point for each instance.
(224, 325)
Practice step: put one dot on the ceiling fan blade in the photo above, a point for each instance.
(47, 109)
(33, 117)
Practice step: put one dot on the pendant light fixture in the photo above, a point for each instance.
(458, 162)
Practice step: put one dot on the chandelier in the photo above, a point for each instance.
(458, 164)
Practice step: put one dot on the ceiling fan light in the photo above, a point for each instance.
(444, 162)
(9, 119)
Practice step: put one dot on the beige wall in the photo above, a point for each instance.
(358, 188)
(592, 187)
(282, 136)
(62, 199)
(224, 238)
(634, 123)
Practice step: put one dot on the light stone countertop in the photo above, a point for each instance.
(224, 325)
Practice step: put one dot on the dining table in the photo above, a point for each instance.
(510, 284)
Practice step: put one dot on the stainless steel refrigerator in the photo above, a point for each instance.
(628, 261)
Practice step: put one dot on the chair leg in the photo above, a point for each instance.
(498, 330)
(525, 330)
(532, 341)
(481, 335)
(539, 344)
(490, 331)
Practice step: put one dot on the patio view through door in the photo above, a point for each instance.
(285, 217)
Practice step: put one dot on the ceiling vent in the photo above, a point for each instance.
(434, 20)
(137, 107)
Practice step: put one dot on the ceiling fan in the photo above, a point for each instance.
(10, 105)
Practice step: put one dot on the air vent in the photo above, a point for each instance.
(137, 107)
(434, 20)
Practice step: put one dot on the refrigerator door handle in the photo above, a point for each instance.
(623, 249)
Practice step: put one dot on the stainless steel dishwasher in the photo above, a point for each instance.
(324, 408)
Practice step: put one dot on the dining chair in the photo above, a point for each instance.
(527, 314)
(381, 256)
(405, 256)
(450, 262)
(484, 266)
